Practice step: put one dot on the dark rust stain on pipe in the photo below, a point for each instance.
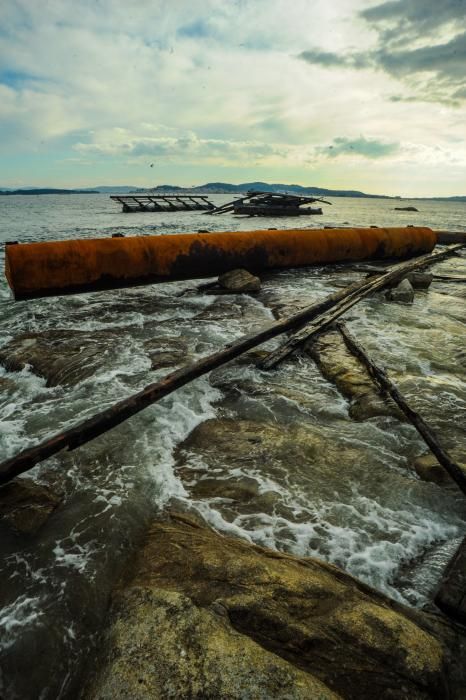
(67, 267)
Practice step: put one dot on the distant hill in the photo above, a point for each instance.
(219, 188)
(115, 189)
(37, 190)
(227, 188)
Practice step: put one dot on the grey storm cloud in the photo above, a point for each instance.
(367, 148)
(332, 60)
(398, 23)
(406, 17)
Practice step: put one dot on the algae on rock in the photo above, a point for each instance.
(206, 616)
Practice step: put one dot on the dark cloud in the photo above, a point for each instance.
(332, 60)
(367, 148)
(447, 60)
(402, 18)
(399, 24)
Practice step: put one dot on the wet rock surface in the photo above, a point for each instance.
(403, 293)
(25, 506)
(428, 468)
(420, 280)
(239, 281)
(203, 615)
(60, 356)
(166, 352)
(339, 366)
(451, 596)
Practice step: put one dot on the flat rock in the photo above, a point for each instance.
(339, 366)
(60, 356)
(239, 281)
(428, 468)
(403, 293)
(166, 352)
(207, 616)
(25, 505)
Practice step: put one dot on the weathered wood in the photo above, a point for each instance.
(171, 202)
(257, 203)
(449, 278)
(116, 414)
(387, 386)
(451, 236)
(354, 293)
(111, 417)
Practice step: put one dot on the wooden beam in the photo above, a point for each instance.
(354, 293)
(116, 414)
(387, 386)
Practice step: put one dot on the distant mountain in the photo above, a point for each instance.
(227, 188)
(38, 191)
(115, 189)
(220, 188)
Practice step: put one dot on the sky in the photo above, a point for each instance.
(348, 94)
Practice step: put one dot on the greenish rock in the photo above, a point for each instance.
(239, 281)
(166, 352)
(339, 366)
(60, 356)
(25, 506)
(428, 468)
(403, 293)
(202, 615)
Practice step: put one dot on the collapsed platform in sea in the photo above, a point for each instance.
(162, 202)
(257, 203)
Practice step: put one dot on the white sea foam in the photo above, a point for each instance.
(24, 612)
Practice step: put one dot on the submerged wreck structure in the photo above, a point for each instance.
(162, 202)
(257, 203)
(199, 614)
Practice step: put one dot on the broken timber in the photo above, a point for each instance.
(121, 411)
(163, 202)
(257, 203)
(118, 413)
(387, 386)
(354, 294)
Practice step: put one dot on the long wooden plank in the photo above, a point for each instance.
(116, 414)
(386, 385)
(361, 290)
(121, 411)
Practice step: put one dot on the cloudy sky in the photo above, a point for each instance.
(354, 94)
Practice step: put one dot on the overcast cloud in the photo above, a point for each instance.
(354, 94)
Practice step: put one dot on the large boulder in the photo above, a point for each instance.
(206, 616)
(420, 280)
(403, 293)
(239, 281)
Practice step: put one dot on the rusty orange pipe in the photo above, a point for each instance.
(67, 267)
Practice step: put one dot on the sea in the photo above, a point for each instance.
(351, 499)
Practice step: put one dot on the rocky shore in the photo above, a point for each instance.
(179, 610)
(201, 615)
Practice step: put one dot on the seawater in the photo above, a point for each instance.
(356, 505)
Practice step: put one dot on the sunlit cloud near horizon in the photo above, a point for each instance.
(355, 94)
